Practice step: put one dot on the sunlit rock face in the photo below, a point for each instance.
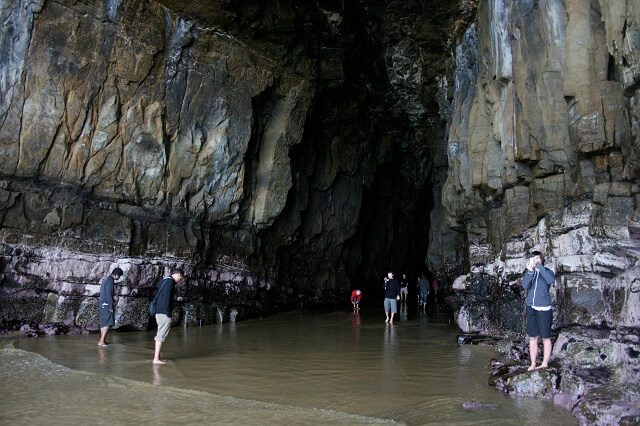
(543, 148)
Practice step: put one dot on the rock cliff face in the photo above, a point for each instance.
(278, 154)
(127, 133)
(543, 148)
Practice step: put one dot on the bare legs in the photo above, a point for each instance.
(156, 356)
(533, 352)
(389, 317)
(103, 335)
(546, 343)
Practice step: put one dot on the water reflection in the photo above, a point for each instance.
(389, 357)
(157, 374)
(403, 311)
(464, 354)
(412, 371)
(355, 323)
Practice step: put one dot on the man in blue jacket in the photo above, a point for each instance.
(537, 280)
(164, 308)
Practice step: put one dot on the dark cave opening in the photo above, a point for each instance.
(366, 153)
(393, 230)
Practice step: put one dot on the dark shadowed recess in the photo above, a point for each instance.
(365, 162)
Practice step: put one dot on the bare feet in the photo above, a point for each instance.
(159, 362)
(103, 345)
(387, 320)
(531, 368)
(541, 367)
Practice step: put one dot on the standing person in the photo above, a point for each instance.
(391, 297)
(356, 295)
(106, 310)
(404, 288)
(536, 281)
(164, 307)
(423, 288)
(436, 285)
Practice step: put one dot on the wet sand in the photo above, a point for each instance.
(290, 368)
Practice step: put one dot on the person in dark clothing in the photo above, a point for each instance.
(536, 281)
(404, 288)
(164, 307)
(391, 297)
(423, 289)
(106, 306)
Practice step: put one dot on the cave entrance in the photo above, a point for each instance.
(393, 230)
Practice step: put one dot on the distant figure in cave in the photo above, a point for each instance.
(356, 296)
(106, 310)
(436, 286)
(536, 281)
(164, 307)
(391, 297)
(404, 288)
(423, 290)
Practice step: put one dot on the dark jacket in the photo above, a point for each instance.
(423, 285)
(537, 285)
(392, 289)
(164, 304)
(106, 293)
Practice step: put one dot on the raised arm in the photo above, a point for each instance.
(546, 274)
(527, 280)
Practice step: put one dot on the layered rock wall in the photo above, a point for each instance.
(279, 154)
(129, 133)
(543, 151)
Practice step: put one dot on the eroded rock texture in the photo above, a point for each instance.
(127, 132)
(543, 148)
(279, 154)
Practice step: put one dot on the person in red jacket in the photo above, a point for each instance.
(356, 295)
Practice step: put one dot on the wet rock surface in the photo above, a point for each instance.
(543, 155)
(280, 154)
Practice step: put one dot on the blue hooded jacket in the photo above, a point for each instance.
(537, 285)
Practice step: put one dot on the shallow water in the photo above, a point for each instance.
(290, 368)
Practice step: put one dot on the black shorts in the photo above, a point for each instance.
(539, 323)
(106, 317)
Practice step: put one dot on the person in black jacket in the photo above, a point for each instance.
(106, 310)
(391, 297)
(164, 307)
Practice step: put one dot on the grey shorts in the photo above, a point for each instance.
(106, 317)
(391, 305)
(404, 290)
(164, 324)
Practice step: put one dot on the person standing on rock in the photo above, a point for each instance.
(536, 281)
(391, 297)
(106, 310)
(164, 307)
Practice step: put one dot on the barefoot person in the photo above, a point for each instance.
(423, 287)
(391, 297)
(537, 280)
(164, 306)
(404, 288)
(105, 305)
(356, 296)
